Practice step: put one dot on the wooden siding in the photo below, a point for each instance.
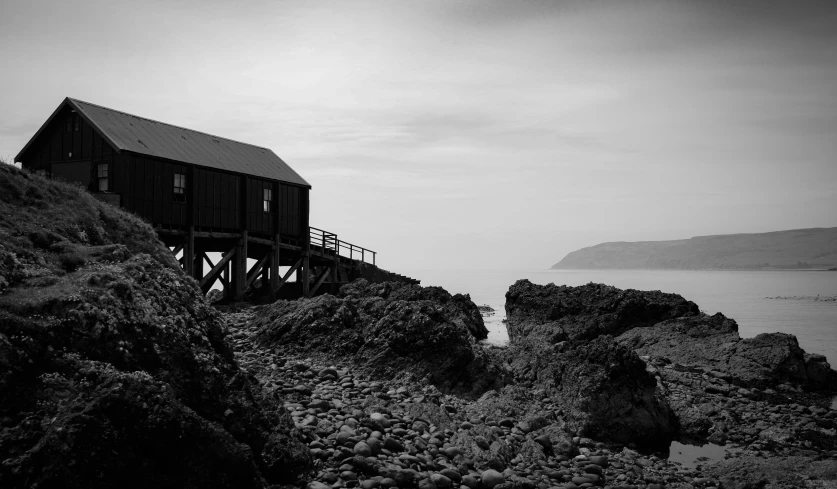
(214, 199)
(60, 142)
(259, 221)
(147, 188)
(218, 199)
(290, 208)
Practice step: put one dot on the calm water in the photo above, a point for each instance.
(739, 295)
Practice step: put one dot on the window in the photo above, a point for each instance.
(70, 123)
(102, 174)
(76, 121)
(268, 197)
(179, 187)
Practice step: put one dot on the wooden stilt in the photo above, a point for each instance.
(177, 249)
(225, 279)
(239, 271)
(306, 276)
(189, 253)
(222, 267)
(257, 268)
(306, 263)
(284, 279)
(198, 272)
(274, 265)
(325, 273)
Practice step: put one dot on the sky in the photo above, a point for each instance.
(472, 134)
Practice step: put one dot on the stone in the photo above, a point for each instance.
(393, 445)
(362, 448)
(491, 478)
(470, 482)
(441, 481)
(453, 475)
(427, 483)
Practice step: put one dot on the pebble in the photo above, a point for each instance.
(360, 434)
(491, 478)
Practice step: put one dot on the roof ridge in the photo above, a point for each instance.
(167, 124)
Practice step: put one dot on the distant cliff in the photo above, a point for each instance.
(798, 248)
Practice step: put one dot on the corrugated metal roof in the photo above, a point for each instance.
(145, 136)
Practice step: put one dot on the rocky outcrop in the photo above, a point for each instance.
(600, 387)
(713, 343)
(552, 313)
(458, 307)
(391, 330)
(560, 342)
(113, 369)
(701, 340)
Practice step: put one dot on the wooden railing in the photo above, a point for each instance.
(329, 244)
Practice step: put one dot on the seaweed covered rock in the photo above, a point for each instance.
(114, 370)
(388, 330)
(553, 313)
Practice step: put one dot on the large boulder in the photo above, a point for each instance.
(390, 330)
(561, 342)
(773, 358)
(553, 313)
(602, 389)
(113, 369)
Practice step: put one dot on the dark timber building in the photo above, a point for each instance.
(202, 194)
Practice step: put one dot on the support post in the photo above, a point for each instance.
(266, 273)
(198, 272)
(274, 264)
(239, 270)
(306, 274)
(306, 264)
(189, 253)
(225, 279)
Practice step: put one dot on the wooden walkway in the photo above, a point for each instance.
(322, 263)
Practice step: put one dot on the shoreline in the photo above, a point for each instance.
(372, 432)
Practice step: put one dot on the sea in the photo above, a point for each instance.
(748, 297)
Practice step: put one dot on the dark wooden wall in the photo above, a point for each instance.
(64, 141)
(214, 200)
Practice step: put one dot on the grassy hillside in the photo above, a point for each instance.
(798, 248)
(114, 371)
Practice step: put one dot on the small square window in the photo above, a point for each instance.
(102, 176)
(268, 198)
(179, 187)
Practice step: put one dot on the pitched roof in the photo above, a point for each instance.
(128, 132)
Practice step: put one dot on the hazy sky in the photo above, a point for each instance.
(472, 134)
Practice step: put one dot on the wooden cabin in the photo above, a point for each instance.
(202, 194)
